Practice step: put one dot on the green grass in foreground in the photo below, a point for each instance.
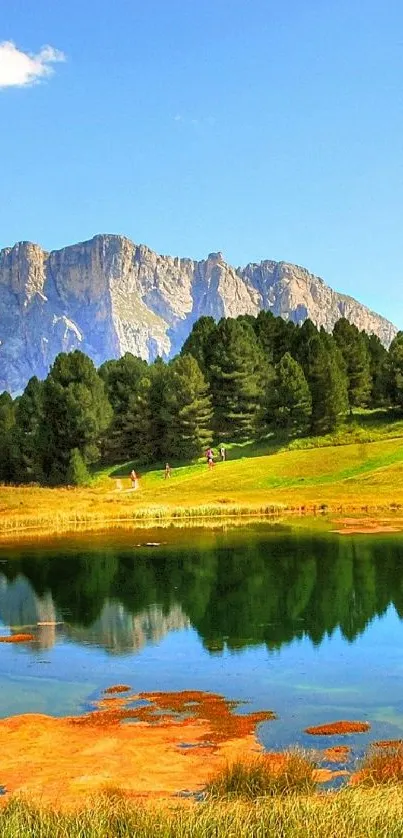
(351, 813)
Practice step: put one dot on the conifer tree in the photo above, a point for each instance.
(189, 411)
(275, 335)
(378, 363)
(120, 377)
(395, 365)
(27, 455)
(7, 423)
(328, 385)
(77, 472)
(304, 346)
(76, 412)
(156, 410)
(136, 424)
(353, 348)
(324, 371)
(125, 381)
(199, 342)
(290, 403)
(238, 376)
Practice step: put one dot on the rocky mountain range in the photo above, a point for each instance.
(108, 296)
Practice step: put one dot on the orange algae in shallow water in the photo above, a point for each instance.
(334, 728)
(217, 711)
(17, 638)
(176, 743)
(181, 709)
(117, 688)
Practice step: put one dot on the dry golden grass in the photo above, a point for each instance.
(352, 813)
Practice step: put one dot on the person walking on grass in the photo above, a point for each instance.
(223, 453)
(167, 471)
(134, 479)
(210, 457)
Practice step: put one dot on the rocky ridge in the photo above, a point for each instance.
(108, 296)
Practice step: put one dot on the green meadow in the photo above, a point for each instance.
(358, 469)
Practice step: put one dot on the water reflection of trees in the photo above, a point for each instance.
(264, 590)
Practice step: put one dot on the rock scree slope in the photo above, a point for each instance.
(108, 296)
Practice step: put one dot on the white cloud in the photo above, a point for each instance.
(20, 69)
(195, 121)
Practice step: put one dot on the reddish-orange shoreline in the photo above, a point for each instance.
(341, 727)
(152, 748)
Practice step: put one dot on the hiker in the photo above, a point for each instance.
(210, 457)
(167, 471)
(223, 453)
(134, 479)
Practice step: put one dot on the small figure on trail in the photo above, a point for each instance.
(167, 471)
(223, 453)
(210, 457)
(134, 479)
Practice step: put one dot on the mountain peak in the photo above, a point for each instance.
(108, 296)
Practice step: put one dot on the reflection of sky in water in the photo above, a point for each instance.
(156, 648)
(304, 685)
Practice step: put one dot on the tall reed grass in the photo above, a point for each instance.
(383, 764)
(351, 813)
(264, 776)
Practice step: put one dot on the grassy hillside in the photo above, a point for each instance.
(346, 472)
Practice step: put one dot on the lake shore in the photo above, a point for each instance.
(363, 481)
(153, 747)
(52, 519)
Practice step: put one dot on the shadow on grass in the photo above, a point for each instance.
(270, 444)
(273, 442)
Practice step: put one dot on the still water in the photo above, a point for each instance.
(309, 626)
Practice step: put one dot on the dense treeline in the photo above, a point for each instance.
(235, 379)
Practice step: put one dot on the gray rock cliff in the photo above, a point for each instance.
(109, 296)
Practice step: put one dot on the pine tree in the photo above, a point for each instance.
(145, 420)
(7, 423)
(378, 363)
(27, 459)
(238, 376)
(304, 346)
(353, 348)
(136, 424)
(324, 370)
(158, 414)
(395, 366)
(290, 403)
(76, 412)
(199, 342)
(120, 377)
(275, 335)
(328, 385)
(77, 472)
(189, 411)
(125, 381)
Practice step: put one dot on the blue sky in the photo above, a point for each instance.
(262, 128)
